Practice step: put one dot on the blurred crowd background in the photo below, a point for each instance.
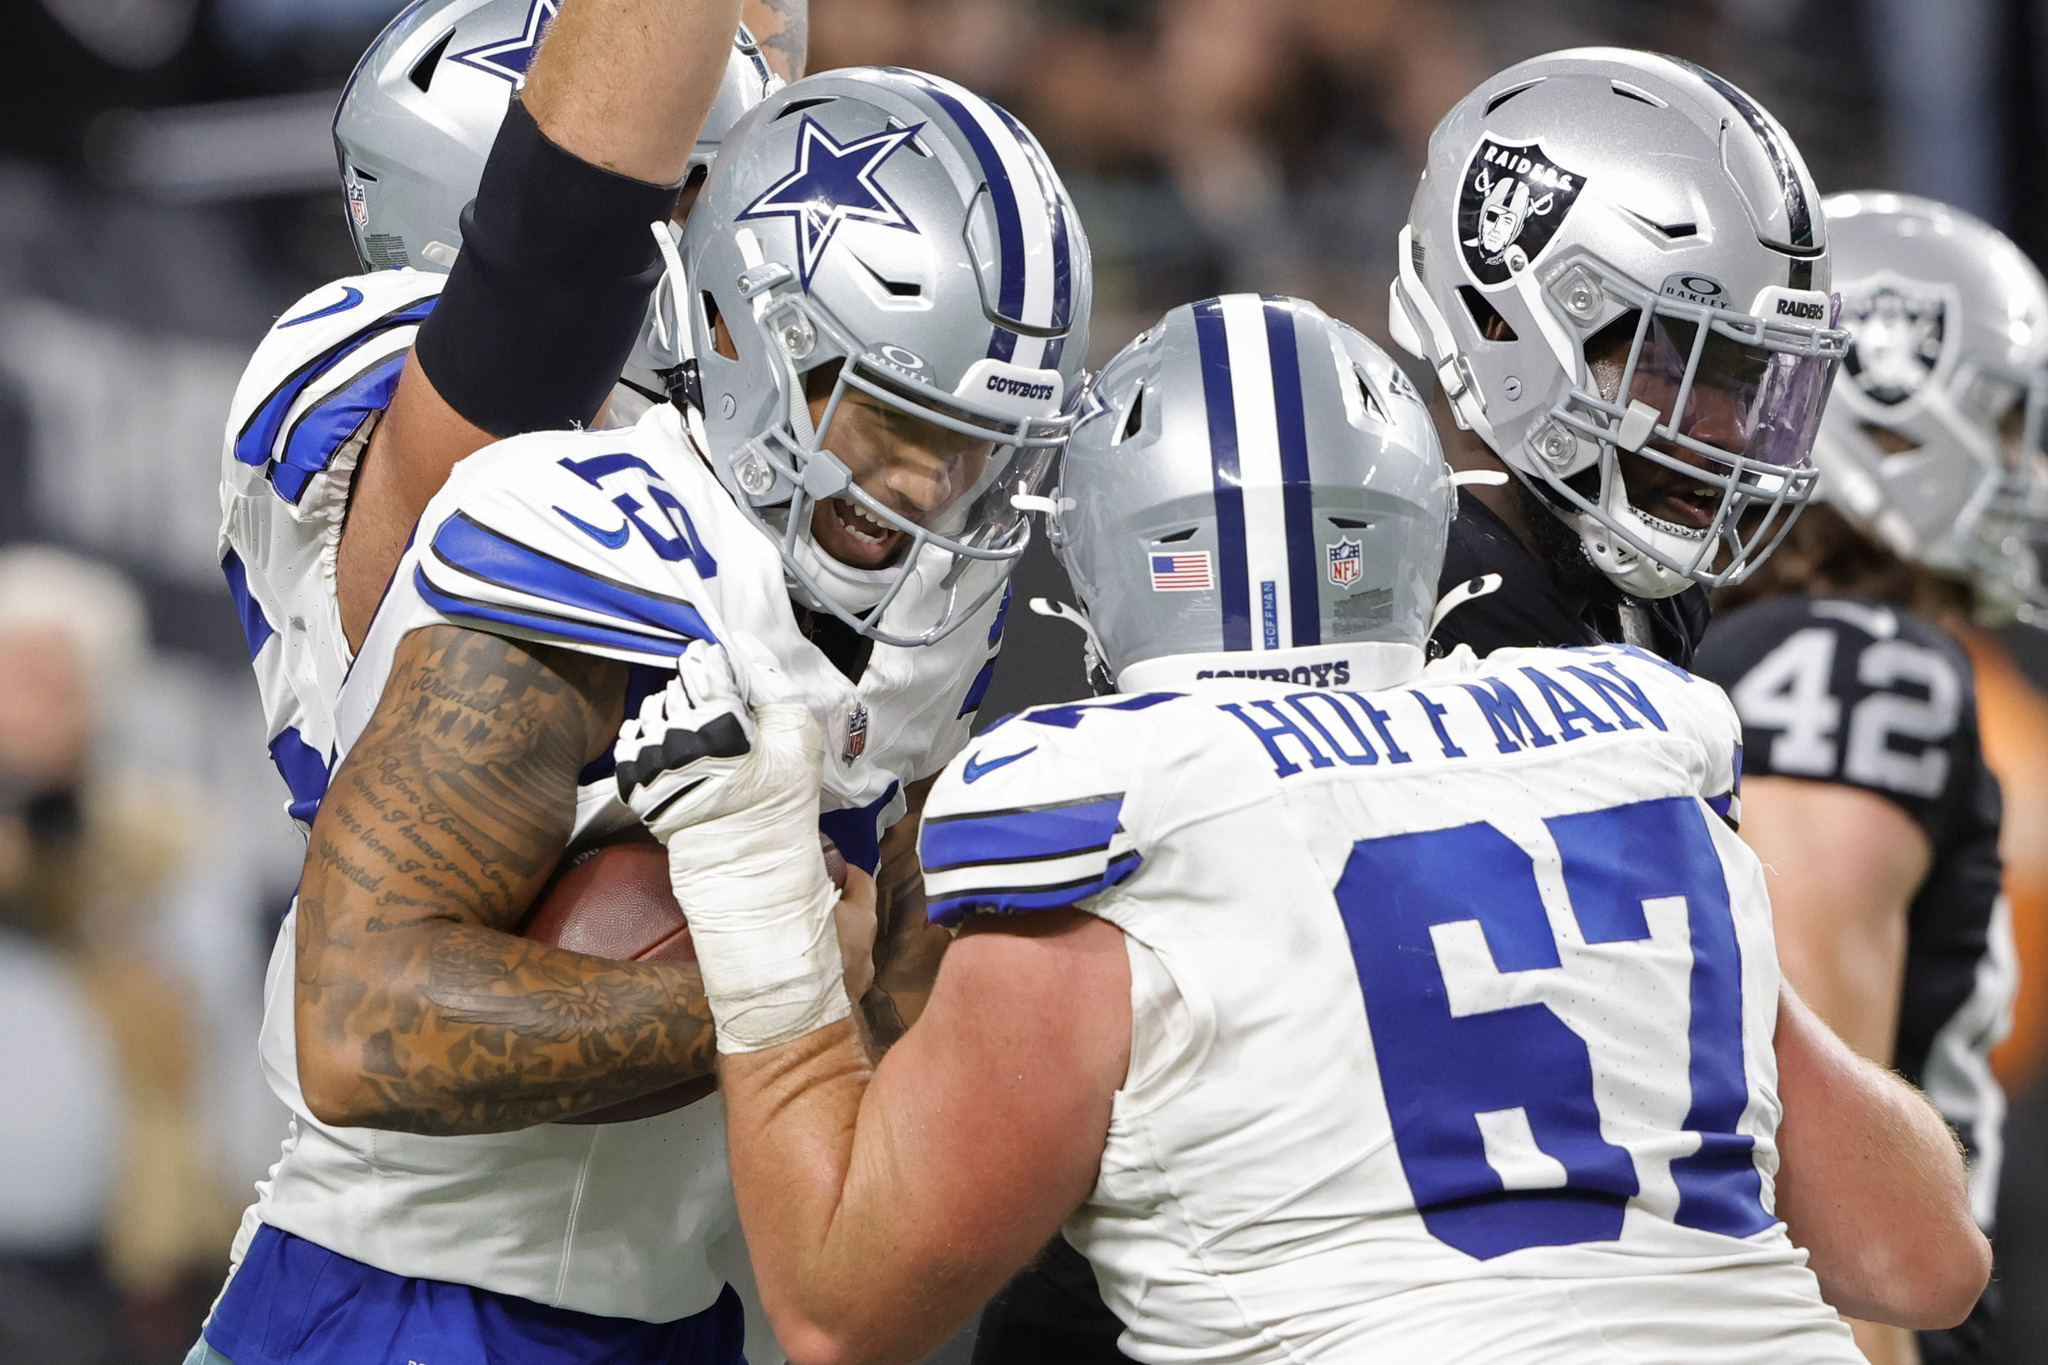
(167, 188)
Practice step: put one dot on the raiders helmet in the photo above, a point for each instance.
(1932, 440)
(418, 117)
(1612, 251)
(1254, 489)
(914, 237)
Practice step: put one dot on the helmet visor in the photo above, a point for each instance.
(1723, 391)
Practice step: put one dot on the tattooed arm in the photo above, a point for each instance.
(417, 1007)
(783, 28)
(907, 946)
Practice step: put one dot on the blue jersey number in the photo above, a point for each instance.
(1518, 1078)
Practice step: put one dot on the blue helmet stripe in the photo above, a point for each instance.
(1289, 415)
(1009, 223)
(1233, 572)
(1062, 265)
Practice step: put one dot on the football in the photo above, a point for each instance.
(613, 900)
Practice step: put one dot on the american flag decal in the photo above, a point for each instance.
(1182, 573)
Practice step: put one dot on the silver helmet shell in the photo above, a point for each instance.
(1932, 440)
(418, 116)
(1253, 488)
(917, 236)
(1587, 190)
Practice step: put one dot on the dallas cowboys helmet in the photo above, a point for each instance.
(420, 112)
(1604, 240)
(916, 236)
(1254, 489)
(1932, 441)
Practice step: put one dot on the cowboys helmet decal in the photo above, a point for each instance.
(1509, 207)
(1897, 328)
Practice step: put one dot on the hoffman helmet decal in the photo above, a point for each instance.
(1896, 328)
(1510, 206)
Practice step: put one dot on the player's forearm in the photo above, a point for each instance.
(416, 1008)
(1871, 1183)
(908, 947)
(625, 84)
(827, 1236)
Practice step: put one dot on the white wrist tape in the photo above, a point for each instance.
(753, 884)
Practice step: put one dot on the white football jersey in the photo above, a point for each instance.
(622, 544)
(1453, 1009)
(305, 408)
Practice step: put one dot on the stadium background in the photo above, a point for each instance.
(167, 188)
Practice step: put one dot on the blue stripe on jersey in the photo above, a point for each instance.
(1062, 263)
(485, 616)
(256, 629)
(950, 910)
(857, 831)
(1002, 197)
(304, 770)
(321, 429)
(978, 689)
(1233, 571)
(258, 436)
(484, 554)
(293, 1301)
(1297, 503)
(1022, 835)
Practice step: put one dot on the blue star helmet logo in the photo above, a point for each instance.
(509, 59)
(832, 183)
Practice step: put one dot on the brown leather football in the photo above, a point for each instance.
(613, 900)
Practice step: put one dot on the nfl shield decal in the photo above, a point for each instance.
(358, 208)
(1347, 559)
(1509, 207)
(856, 734)
(1897, 328)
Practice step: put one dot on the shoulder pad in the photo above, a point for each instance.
(330, 361)
(1030, 815)
(571, 539)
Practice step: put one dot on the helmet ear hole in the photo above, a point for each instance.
(1492, 326)
(1134, 423)
(422, 73)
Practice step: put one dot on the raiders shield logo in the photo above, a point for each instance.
(1510, 206)
(1896, 331)
(1347, 560)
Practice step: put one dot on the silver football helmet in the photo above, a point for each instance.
(914, 238)
(1615, 252)
(1254, 489)
(418, 116)
(1932, 441)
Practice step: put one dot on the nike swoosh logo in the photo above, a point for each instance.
(976, 769)
(611, 540)
(354, 297)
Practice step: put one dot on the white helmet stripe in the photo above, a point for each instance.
(1259, 473)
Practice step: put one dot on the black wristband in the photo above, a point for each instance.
(546, 300)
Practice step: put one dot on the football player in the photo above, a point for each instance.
(1868, 796)
(1423, 1014)
(887, 300)
(1617, 267)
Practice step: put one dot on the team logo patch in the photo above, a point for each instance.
(856, 734)
(831, 183)
(508, 60)
(1182, 572)
(1347, 561)
(1897, 329)
(358, 207)
(1511, 203)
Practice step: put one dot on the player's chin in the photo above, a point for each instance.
(857, 541)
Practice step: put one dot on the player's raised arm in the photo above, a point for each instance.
(417, 1007)
(541, 309)
(1870, 1182)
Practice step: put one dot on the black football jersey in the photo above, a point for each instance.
(1857, 692)
(1529, 609)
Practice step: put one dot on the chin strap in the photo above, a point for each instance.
(1094, 658)
(1470, 590)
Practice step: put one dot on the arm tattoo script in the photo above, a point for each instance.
(418, 1007)
(907, 946)
(783, 28)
